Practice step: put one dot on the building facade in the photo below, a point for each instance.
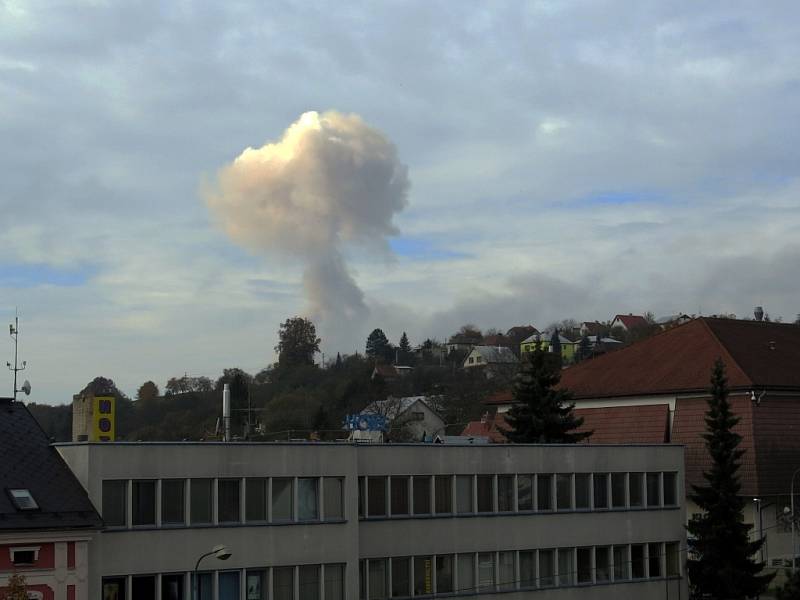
(312, 521)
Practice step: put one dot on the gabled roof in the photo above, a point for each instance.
(521, 330)
(28, 461)
(631, 321)
(385, 371)
(392, 408)
(545, 338)
(679, 360)
(490, 426)
(496, 354)
(593, 327)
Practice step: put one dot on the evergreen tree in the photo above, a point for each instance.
(542, 414)
(378, 345)
(723, 568)
(405, 346)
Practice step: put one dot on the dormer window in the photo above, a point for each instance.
(22, 499)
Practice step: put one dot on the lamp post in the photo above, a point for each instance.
(221, 552)
(794, 552)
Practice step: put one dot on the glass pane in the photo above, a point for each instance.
(308, 498)
(401, 577)
(466, 572)
(309, 582)
(672, 559)
(172, 501)
(600, 483)
(422, 495)
(283, 583)
(654, 489)
(544, 492)
(621, 563)
(464, 494)
(256, 499)
(582, 491)
(602, 560)
(654, 560)
(362, 494)
(171, 587)
(525, 492)
(584, 565)
(377, 579)
(637, 561)
(362, 576)
(505, 493)
(563, 491)
(670, 489)
(444, 573)
(144, 502)
(205, 586)
(333, 491)
(200, 500)
(228, 498)
(566, 567)
(376, 496)
(485, 571)
(527, 569)
(282, 499)
(228, 585)
(115, 496)
(547, 568)
(485, 493)
(443, 494)
(618, 490)
(113, 588)
(143, 588)
(334, 582)
(635, 483)
(423, 575)
(255, 583)
(399, 494)
(507, 579)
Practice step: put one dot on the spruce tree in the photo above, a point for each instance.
(722, 567)
(542, 414)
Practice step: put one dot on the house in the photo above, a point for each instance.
(545, 341)
(593, 328)
(413, 418)
(46, 518)
(390, 372)
(662, 383)
(628, 322)
(494, 358)
(463, 342)
(673, 320)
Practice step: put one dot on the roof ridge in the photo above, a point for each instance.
(725, 350)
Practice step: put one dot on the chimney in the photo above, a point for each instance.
(226, 411)
(484, 417)
(758, 313)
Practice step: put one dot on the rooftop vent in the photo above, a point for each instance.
(22, 499)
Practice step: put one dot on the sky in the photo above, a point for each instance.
(565, 159)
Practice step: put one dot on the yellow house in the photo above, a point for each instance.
(568, 347)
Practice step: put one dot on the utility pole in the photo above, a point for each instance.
(13, 331)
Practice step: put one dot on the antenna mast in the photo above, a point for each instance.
(13, 331)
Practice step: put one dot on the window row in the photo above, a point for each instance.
(381, 496)
(178, 502)
(482, 572)
(304, 582)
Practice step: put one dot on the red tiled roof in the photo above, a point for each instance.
(631, 321)
(680, 360)
(501, 397)
(490, 426)
(593, 327)
(385, 371)
(643, 424)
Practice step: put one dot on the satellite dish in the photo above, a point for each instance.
(26, 387)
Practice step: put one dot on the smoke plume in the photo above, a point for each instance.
(330, 181)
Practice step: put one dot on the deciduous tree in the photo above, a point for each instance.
(298, 342)
(16, 588)
(147, 391)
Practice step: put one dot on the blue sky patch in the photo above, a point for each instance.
(417, 248)
(615, 198)
(33, 275)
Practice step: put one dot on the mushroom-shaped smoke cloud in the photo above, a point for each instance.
(331, 180)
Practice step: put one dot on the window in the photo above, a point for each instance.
(618, 490)
(507, 570)
(478, 359)
(308, 584)
(485, 571)
(228, 499)
(444, 573)
(635, 483)
(418, 416)
(282, 582)
(563, 491)
(144, 503)
(282, 499)
(172, 501)
(654, 560)
(654, 489)
(22, 499)
(566, 566)
(401, 577)
(621, 563)
(143, 587)
(334, 582)
(600, 484)
(672, 555)
(524, 492)
(376, 496)
(228, 585)
(115, 496)
(582, 491)
(485, 493)
(113, 588)
(422, 495)
(205, 586)
(466, 572)
(670, 489)
(399, 495)
(333, 491)
(443, 487)
(471, 360)
(544, 492)
(362, 578)
(255, 499)
(362, 497)
(423, 575)
(505, 493)
(527, 569)
(308, 499)
(584, 565)
(172, 587)
(602, 562)
(255, 584)
(547, 568)
(637, 561)
(200, 502)
(464, 494)
(24, 556)
(377, 579)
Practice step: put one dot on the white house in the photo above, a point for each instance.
(413, 418)
(490, 356)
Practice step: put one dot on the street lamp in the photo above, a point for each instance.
(220, 552)
(792, 515)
